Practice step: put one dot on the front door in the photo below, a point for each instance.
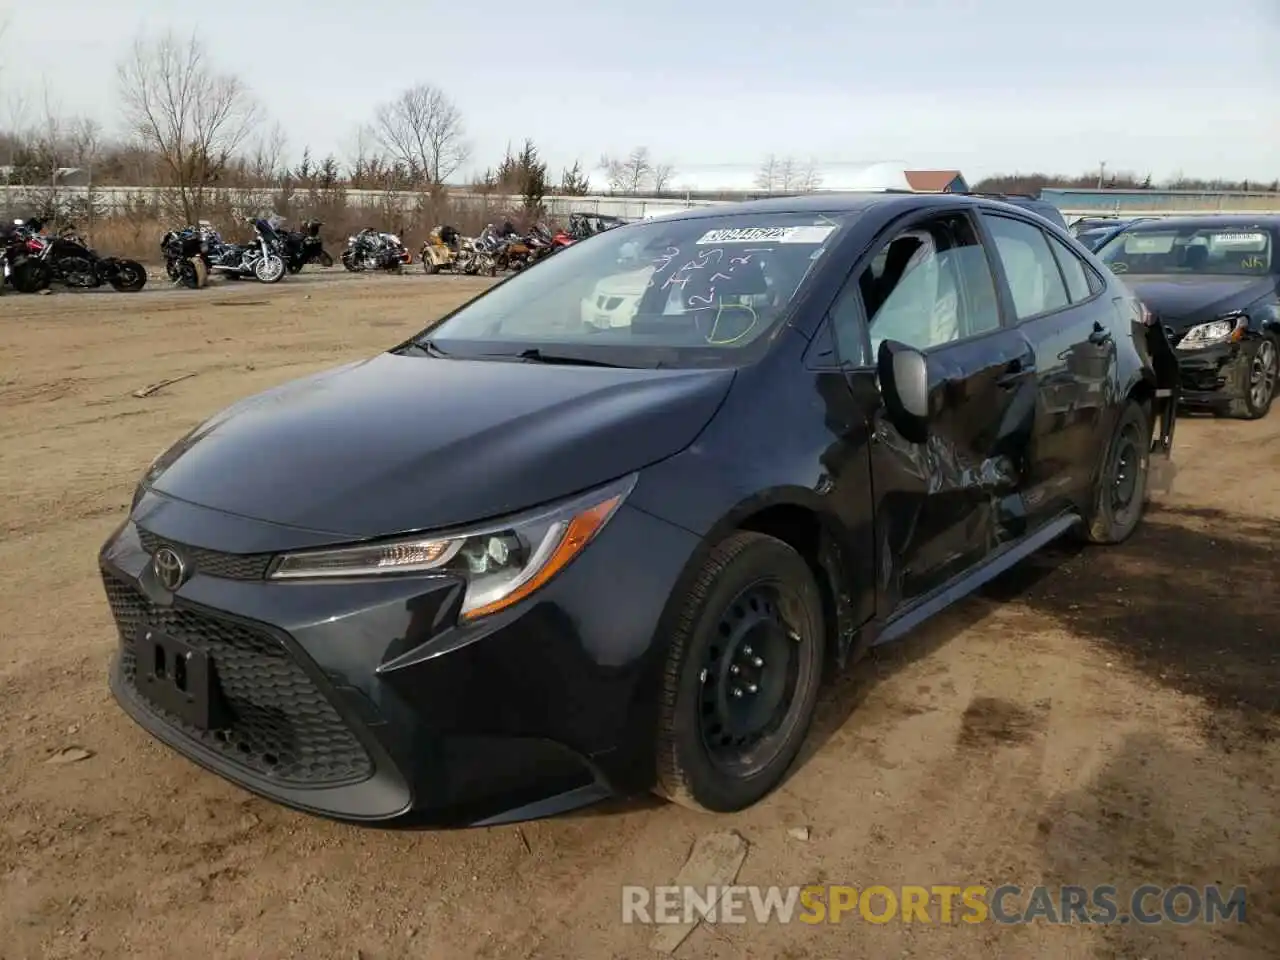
(942, 505)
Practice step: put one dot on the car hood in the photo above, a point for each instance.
(402, 443)
(1185, 300)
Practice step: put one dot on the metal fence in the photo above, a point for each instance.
(107, 201)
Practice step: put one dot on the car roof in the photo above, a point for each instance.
(838, 203)
(1270, 221)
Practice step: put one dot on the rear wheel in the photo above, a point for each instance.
(1121, 494)
(1262, 369)
(742, 675)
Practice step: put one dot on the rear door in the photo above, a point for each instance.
(1057, 302)
(943, 505)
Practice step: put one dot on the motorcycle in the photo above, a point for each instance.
(477, 256)
(262, 259)
(510, 250)
(186, 256)
(440, 250)
(19, 268)
(74, 263)
(305, 246)
(372, 250)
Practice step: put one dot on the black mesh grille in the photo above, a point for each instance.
(282, 726)
(212, 563)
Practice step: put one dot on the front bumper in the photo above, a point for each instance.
(360, 700)
(1212, 376)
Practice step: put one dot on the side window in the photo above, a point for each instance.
(1073, 270)
(1034, 279)
(929, 285)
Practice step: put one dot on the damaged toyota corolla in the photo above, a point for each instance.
(523, 561)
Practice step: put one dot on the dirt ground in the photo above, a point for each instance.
(1107, 716)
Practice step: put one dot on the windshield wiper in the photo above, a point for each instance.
(537, 355)
(426, 347)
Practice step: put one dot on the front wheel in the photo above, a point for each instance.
(1262, 369)
(130, 277)
(348, 261)
(269, 269)
(742, 675)
(1121, 493)
(30, 276)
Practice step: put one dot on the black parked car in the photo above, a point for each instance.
(1213, 282)
(518, 563)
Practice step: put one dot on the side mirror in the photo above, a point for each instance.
(904, 384)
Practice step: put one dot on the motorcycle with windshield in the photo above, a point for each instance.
(186, 255)
(371, 249)
(73, 263)
(263, 258)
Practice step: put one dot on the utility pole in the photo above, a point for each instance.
(1102, 172)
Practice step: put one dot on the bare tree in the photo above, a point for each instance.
(630, 174)
(661, 177)
(810, 177)
(786, 175)
(191, 116)
(767, 175)
(84, 141)
(422, 130)
(266, 156)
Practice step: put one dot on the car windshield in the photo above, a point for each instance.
(693, 290)
(1191, 249)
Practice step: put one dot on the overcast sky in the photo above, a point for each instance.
(985, 86)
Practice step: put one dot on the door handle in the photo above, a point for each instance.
(1099, 335)
(1015, 373)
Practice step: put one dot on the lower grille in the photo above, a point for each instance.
(282, 726)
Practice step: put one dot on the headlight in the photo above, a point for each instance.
(502, 563)
(1226, 329)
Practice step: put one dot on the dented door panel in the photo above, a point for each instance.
(944, 504)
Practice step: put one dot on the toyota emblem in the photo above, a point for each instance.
(169, 569)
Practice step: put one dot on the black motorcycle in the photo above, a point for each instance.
(372, 250)
(186, 257)
(74, 263)
(20, 267)
(305, 246)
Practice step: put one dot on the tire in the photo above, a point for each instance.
(347, 261)
(1121, 494)
(30, 276)
(747, 579)
(270, 269)
(1262, 370)
(325, 259)
(130, 277)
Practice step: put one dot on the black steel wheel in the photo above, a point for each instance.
(742, 675)
(1121, 493)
